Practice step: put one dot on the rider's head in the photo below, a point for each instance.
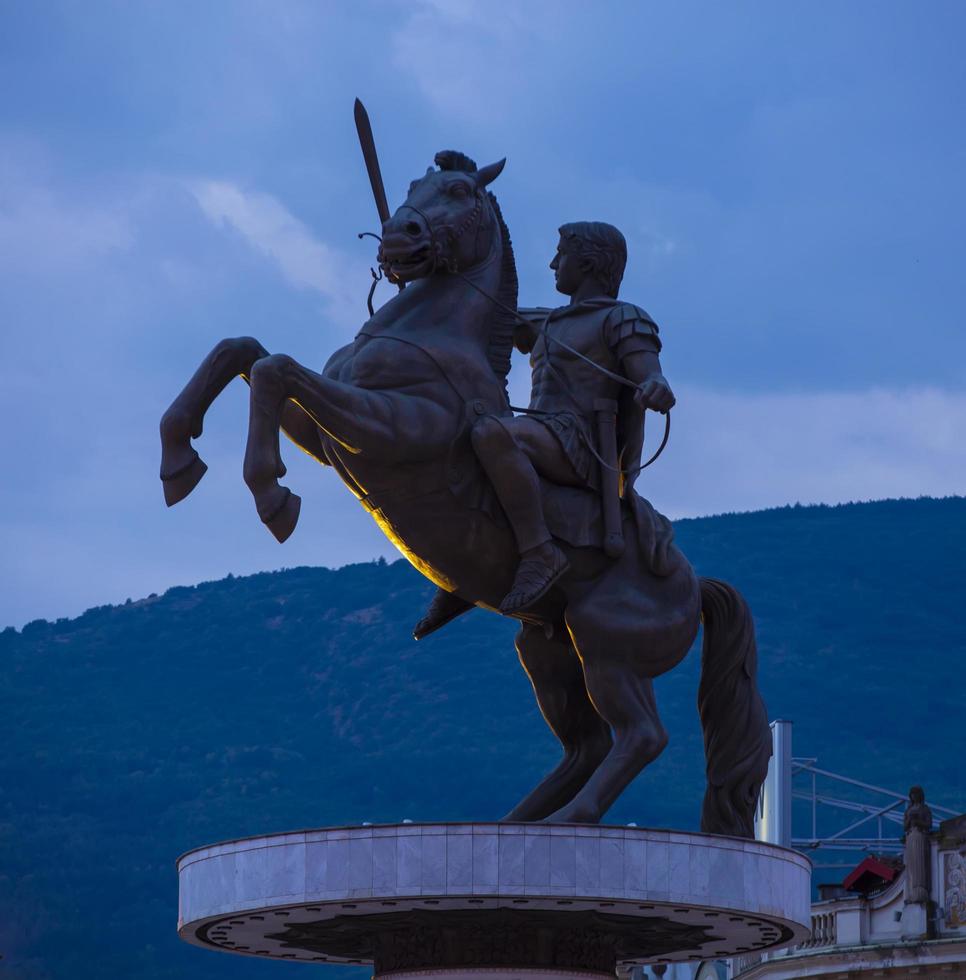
(601, 246)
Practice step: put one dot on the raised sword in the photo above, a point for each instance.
(368, 144)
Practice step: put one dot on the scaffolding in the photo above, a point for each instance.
(847, 825)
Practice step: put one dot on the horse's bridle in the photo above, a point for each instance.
(475, 217)
(449, 265)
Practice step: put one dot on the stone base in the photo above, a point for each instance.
(495, 973)
(493, 900)
(915, 921)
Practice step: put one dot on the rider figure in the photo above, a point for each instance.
(556, 440)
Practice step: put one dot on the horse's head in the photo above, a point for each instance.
(446, 222)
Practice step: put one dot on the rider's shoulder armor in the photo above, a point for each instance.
(626, 321)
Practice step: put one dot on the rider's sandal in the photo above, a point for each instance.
(533, 581)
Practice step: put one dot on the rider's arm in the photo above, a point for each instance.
(525, 334)
(643, 367)
(633, 336)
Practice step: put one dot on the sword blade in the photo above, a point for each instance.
(368, 144)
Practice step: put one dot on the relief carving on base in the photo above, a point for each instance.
(420, 939)
(954, 889)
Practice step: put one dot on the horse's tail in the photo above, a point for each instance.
(737, 740)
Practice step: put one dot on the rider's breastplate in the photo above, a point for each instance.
(562, 382)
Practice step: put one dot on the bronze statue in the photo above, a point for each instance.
(397, 414)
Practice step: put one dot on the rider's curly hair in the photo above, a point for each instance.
(604, 245)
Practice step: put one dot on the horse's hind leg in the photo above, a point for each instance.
(181, 467)
(624, 696)
(558, 683)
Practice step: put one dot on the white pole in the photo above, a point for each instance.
(773, 817)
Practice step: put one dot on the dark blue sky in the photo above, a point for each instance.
(788, 177)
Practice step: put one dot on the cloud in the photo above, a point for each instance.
(43, 233)
(731, 451)
(267, 226)
(740, 451)
(447, 47)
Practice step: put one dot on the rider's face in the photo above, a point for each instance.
(568, 270)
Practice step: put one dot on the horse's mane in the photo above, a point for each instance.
(502, 323)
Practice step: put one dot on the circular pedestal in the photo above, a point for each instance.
(540, 900)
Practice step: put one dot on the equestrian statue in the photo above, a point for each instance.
(530, 513)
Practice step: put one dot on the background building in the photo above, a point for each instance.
(879, 931)
(900, 911)
(899, 907)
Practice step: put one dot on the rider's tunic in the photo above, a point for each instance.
(564, 387)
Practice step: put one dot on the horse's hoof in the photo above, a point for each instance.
(183, 481)
(283, 520)
(517, 816)
(573, 814)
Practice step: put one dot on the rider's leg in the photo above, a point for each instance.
(496, 444)
(513, 451)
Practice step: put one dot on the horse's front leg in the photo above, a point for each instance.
(181, 466)
(278, 508)
(387, 425)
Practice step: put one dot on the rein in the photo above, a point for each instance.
(377, 277)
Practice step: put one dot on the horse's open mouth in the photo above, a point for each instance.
(413, 266)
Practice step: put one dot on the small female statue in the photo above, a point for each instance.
(917, 825)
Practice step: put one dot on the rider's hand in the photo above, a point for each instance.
(655, 393)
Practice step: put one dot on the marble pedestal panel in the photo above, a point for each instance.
(531, 899)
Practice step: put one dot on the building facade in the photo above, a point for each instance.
(912, 927)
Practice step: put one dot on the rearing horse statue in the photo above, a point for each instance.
(392, 414)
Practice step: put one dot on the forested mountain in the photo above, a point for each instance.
(297, 698)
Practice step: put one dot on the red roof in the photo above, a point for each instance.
(871, 873)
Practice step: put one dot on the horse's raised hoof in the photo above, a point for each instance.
(179, 484)
(282, 520)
